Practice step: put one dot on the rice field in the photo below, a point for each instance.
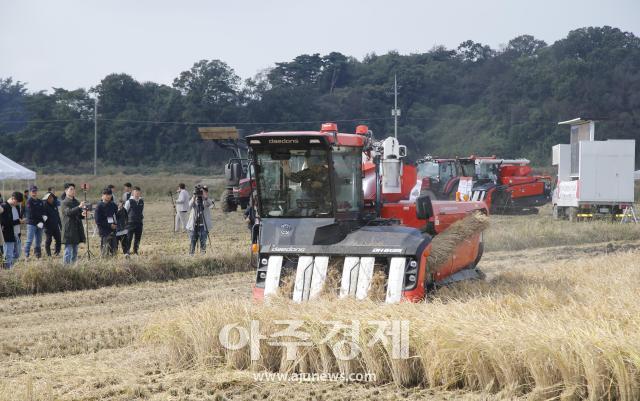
(557, 317)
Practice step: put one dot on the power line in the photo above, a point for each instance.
(193, 123)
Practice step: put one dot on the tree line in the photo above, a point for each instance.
(469, 100)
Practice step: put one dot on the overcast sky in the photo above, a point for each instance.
(72, 44)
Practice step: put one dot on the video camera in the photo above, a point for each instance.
(198, 190)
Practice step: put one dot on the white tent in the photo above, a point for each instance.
(10, 170)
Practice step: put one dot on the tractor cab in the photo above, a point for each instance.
(439, 178)
(308, 174)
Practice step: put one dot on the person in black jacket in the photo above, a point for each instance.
(105, 215)
(52, 224)
(135, 212)
(34, 212)
(73, 212)
(10, 220)
(121, 229)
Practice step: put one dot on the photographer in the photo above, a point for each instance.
(135, 212)
(200, 221)
(105, 216)
(72, 229)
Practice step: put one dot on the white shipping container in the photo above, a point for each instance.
(606, 171)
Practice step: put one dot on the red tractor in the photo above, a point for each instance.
(507, 186)
(237, 171)
(440, 177)
(318, 219)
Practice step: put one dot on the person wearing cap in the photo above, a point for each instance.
(135, 217)
(10, 220)
(34, 215)
(72, 228)
(200, 221)
(105, 216)
(52, 223)
(52, 191)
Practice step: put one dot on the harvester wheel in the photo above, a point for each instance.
(227, 203)
(573, 214)
(500, 203)
(480, 252)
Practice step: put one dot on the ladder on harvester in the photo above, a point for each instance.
(629, 215)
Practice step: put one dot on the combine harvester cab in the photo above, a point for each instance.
(318, 236)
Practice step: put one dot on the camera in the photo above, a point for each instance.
(88, 207)
(198, 190)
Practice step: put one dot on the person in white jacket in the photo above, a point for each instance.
(200, 221)
(182, 207)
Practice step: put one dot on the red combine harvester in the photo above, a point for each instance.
(316, 221)
(507, 186)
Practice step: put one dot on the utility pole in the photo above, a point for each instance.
(395, 112)
(95, 136)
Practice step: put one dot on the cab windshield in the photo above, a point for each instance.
(294, 182)
(428, 169)
(468, 168)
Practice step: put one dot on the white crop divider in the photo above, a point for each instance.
(365, 275)
(272, 281)
(395, 280)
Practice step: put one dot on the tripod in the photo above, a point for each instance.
(86, 217)
(175, 211)
(198, 221)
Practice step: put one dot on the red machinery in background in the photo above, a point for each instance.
(506, 185)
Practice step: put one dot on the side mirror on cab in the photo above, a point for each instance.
(424, 208)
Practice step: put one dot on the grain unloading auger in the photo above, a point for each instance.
(318, 233)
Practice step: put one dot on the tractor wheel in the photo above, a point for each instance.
(573, 214)
(226, 202)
